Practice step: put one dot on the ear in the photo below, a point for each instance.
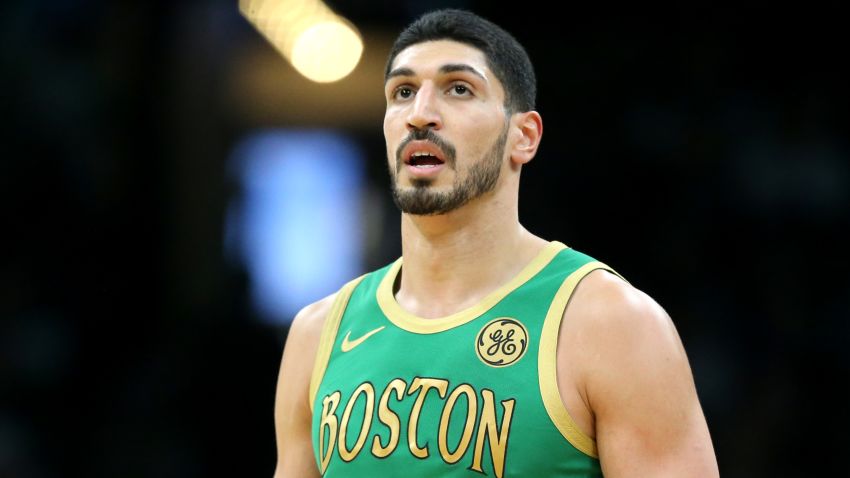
(527, 132)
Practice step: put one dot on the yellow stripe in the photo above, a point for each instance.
(419, 325)
(328, 337)
(547, 360)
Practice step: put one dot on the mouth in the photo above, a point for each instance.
(422, 155)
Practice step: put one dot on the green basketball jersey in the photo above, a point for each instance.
(471, 394)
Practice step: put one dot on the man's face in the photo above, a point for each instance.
(445, 127)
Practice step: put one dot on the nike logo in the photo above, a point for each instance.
(347, 345)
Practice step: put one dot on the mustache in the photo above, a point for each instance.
(426, 134)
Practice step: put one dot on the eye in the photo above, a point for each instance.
(459, 89)
(402, 92)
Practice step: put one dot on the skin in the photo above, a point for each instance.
(622, 371)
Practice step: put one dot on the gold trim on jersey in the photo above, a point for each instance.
(328, 337)
(547, 361)
(419, 325)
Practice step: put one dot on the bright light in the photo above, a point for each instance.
(327, 51)
(321, 45)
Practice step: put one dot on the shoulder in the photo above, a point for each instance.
(632, 372)
(624, 337)
(299, 352)
(618, 332)
(305, 333)
(626, 361)
(604, 302)
(310, 320)
(303, 338)
(309, 323)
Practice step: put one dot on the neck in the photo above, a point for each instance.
(452, 261)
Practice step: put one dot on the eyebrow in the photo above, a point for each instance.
(448, 68)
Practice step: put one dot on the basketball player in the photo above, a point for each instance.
(484, 350)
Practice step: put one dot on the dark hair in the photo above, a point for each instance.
(505, 56)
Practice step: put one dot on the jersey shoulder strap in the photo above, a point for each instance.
(329, 331)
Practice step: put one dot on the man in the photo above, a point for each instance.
(485, 349)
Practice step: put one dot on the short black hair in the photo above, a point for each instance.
(505, 56)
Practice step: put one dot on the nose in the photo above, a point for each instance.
(424, 110)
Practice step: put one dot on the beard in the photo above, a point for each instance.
(480, 178)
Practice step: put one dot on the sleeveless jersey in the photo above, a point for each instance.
(471, 394)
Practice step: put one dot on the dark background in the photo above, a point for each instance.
(702, 152)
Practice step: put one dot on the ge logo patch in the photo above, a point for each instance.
(501, 342)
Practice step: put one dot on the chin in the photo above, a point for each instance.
(421, 183)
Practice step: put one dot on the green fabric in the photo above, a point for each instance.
(533, 446)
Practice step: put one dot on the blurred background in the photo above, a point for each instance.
(173, 191)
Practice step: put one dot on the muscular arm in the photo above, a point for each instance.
(633, 385)
(292, 407)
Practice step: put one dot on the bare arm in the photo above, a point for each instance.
(634, 379)
(292, 407)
